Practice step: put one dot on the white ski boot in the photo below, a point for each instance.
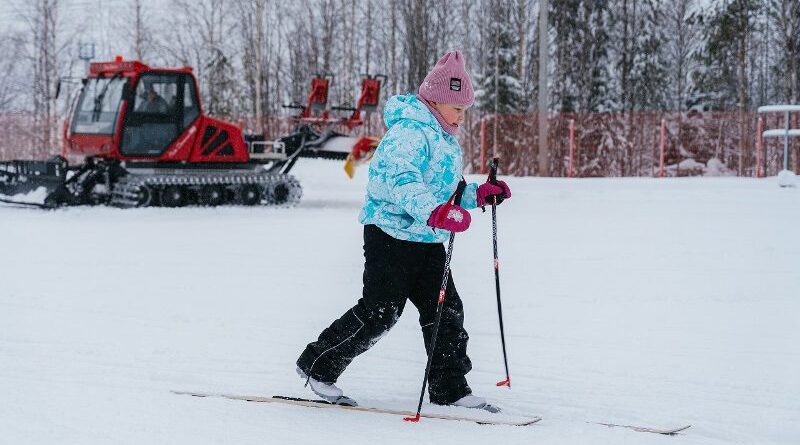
(328, 391)
(475, 402)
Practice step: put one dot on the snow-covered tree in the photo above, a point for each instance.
(682, 41)
(499, 88)
(785, 17)
(582, 81)
(723, 82)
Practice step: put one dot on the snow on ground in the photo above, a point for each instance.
(636, 301)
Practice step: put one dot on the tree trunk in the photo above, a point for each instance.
(258, 44)
(138, 31)
(523, 21)
(743, 87)
(393, 52)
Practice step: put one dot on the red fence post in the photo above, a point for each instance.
(483, 145)
(759, 146)
(571, 144)
(663, 141)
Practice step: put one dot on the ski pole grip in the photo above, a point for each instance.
(459, 192)
(493, 170)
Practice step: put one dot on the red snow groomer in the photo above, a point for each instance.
(146, 142)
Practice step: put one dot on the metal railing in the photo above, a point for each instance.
(786, 132)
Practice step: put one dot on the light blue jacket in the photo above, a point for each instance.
(416, 167)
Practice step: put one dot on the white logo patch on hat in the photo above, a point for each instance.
(455, 84)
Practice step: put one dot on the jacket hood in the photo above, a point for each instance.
(408, 106)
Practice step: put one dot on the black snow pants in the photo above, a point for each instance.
(396, 270)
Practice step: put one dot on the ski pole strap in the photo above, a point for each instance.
(493, 170)
(459, 193)
(493, 180)
(455, 199)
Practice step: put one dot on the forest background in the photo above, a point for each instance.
(617, 69)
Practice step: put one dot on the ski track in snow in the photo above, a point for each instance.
(635, 301)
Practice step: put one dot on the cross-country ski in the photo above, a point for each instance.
(645, 429)
(467, 414)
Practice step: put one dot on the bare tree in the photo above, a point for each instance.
(416, 16)
(331, 15)
(368, 27)
(45, 66)
(44, 56)
(202, 32)
(349, 60)
(139, 30)
(11, 79)
(253, 16)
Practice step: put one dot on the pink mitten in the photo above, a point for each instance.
(487, 192)
(450, 217)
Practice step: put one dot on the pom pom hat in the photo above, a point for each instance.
(448, 82)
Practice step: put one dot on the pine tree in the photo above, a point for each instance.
(565, 21)
(723, 82)
(785, 16)
(600, 97)
(499, 87)
(650, 73)
(682, 40)
(581, 80)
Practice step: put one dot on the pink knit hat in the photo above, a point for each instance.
(448, 82)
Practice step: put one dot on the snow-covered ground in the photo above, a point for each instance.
(636, 301)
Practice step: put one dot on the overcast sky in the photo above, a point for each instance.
(94, 17)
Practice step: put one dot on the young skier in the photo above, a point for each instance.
(414, 171)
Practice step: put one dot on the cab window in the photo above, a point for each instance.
(155, 116)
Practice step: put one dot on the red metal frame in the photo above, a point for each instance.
(318, 99)
(368, 101)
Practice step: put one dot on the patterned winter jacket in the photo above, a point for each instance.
(416, 167)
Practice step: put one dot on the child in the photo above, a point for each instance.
(415, 170)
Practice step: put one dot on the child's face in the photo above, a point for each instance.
(453, 114)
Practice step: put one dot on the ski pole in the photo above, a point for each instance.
(455, 199)
(493, 180)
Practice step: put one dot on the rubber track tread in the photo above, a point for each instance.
(126, 191)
